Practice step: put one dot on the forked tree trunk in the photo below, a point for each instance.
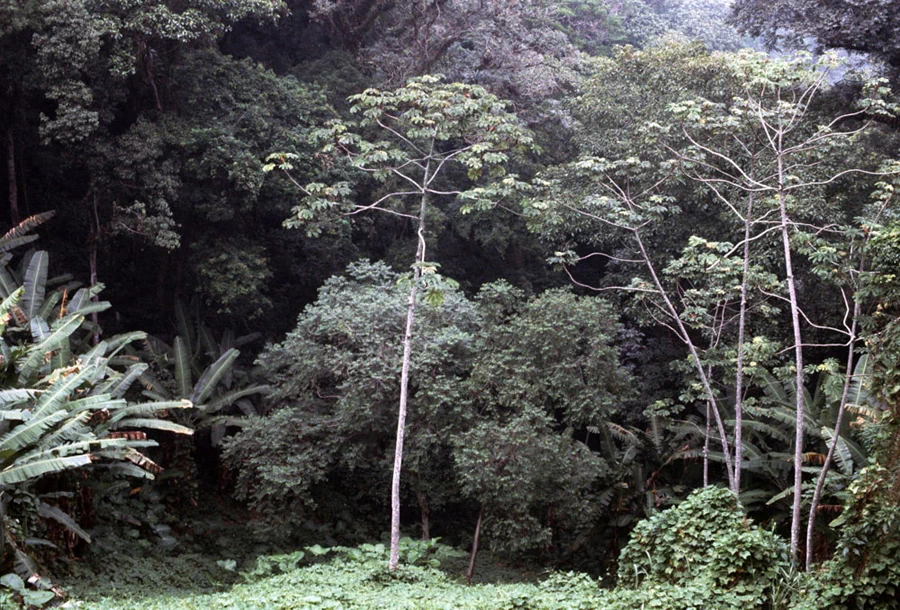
(404, 378)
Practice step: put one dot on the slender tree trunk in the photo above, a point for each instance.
(798, 359)
(820, 482)
(739, 375)
(706, 437)
(695, 355)
(404, 377)
(14, 215)
(471, 571)
(424, 510)
(706, 446)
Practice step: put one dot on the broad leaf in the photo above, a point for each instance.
(52, 512)
(182, 368)
(33, 470)
(35, 283)
(153, 424)
(212, 375)
(59, 333)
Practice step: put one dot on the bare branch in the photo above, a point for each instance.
(610, 257)
(375, 205)
(605, 288)
(852, 170)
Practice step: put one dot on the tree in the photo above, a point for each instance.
(866, 26)
(765, 152)
(778, 108)
(336, 383)
(432, 129)
(505, 407)
(515, 48)
(545, 377)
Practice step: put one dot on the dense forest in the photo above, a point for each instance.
(449, 304)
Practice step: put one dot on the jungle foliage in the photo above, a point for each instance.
(583, 284)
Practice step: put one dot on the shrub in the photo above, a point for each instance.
(702, 553)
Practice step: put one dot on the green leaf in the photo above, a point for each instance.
(120, 385)
(182, 368)
(16, 396)
(60, 391)
(232, 397)
(13, 581)
(212, 375)
(150, 408)
(52, 512)
(59, 334)
(30, 432)
(35, 283)
(154, 424)
(8, 285)
(185, 328)
(6, 306)
(33, 470)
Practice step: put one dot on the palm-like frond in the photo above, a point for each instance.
(231, 398)
(54, 396)
(28, 434)
(75, 429)
(52, 512)
(19, 473)
(19, 234)
(212, 375)
(8, 283)
(59, 333)
(149, 408)
(118, 384)
(183, 380)
(13, 397)
(6, 307)
(35, 283)
(92, 446)
(152, 424)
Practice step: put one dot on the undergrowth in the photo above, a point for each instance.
(358, 579)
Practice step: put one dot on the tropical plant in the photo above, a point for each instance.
(433, 129)
(62, 402)
(706, 549)
(203, 369)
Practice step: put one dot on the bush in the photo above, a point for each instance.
(702, 553)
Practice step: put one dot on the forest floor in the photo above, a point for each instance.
(223, 563)
(338, 584)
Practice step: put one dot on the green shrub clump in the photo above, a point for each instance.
(703, 553)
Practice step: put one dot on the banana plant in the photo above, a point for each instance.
(202, 369)
(60, 411)
(72, 418)
(769, 433)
